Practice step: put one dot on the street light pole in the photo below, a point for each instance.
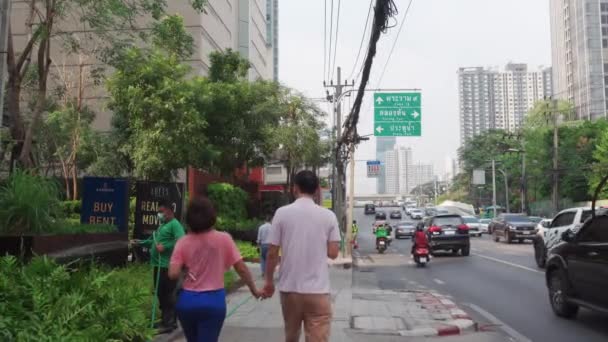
(494, 186)
(506, 190)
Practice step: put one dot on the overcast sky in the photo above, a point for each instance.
(439, 36)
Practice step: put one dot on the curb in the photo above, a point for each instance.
(455, 327)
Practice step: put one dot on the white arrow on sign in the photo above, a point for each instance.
(379, 129)
(415, 114)
(379, 100)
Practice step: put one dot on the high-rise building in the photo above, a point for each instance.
(383, 144)
(422, 174)
(391, 162)
(579, 39)
(405, 156)
(247, 26)
(492, 99)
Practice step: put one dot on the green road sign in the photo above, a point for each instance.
(397, 114)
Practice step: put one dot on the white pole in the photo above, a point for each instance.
(351, 204)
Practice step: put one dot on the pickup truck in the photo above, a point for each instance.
(547, 238)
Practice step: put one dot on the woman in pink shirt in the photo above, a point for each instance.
(204, 255)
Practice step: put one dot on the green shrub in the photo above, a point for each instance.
(248, 251)
(228, 224)
(229, 201)
(71, 226)
(71, 208)
(29, 204)
(44, 301)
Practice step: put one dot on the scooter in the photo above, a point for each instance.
(381, 244)
(421, 256)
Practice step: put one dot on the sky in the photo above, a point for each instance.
(439, 36)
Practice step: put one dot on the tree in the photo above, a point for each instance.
(110, 22)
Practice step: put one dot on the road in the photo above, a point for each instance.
(499, 284)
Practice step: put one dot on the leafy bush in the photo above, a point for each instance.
(229, 201)
(248, 251)
(228, 224)
(75, 227)
(44, 301)
(29, 204)
(71, 208)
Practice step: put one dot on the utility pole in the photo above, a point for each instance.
(494, 186)
(523, 183)
(351, 203)
(555, 194)
(5, 8)
(507, 205)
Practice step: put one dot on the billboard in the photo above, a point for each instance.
(479, 177)
(105, 201)
(373, 168)
(148, 197)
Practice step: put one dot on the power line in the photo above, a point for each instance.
(407, 10)
(325, 42)
(369, 11)
(331, 34)
(333, 67)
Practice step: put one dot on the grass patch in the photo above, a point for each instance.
(248, 251)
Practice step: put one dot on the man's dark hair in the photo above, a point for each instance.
(307, 182)
(200, 215)
(164, 203)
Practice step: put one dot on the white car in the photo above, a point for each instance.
(548, 237)
(416, 214)
(483, 225)
(474, 225)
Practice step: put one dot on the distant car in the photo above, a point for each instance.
(535, 219)
(512, 227)
(577, 268)
(416, 214)
(483, 225)
(405, 229)
(396, 214)
(408, 210)
(370, 209)
(550, 236)
(430, 211)
(380, 215)
(474, 225)
(448, 233)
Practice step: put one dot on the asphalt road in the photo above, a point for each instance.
(498, 284)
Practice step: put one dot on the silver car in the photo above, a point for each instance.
(405, 229)
(483, 225)
(474, 225)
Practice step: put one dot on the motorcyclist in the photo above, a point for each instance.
(381, 232)
(420, 239)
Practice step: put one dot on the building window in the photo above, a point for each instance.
(274, 170)
(604, 19)
(605, 43)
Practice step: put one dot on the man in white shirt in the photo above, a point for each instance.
(263, 242)
(306, 234)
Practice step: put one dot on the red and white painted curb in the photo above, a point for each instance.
(457, 323)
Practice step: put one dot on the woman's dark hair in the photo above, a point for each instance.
(200, 215)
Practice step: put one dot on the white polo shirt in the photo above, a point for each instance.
(302, 230)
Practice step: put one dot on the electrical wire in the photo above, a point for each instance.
(331, 34)
(407, 10)
(333, 67)
(369, 11)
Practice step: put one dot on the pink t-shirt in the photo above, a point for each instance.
(206, 257)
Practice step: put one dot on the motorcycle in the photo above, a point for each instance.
(421, 256)
(381, 244)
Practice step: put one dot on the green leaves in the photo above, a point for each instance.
(229, 201)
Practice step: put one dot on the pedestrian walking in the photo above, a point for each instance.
(161, 245)
(203, 256)
(263, 242)
(306, 234)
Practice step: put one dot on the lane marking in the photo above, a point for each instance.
(438, 281)
(514, 334)
(508, 263)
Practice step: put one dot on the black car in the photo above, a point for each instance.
(447, 233)
(577, 269)
(370, 209)
(396, 214)
(405, 229)
(380, 215)
(512, 227)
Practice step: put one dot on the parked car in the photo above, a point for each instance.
(549, 237)
(447, 233)
(408, 210)
(405, 229)
(474, 225)
(577, 268)
(483, 225)
(370, 209)
(396, 214)
(416, 214)
(380, 215)
(512, 227)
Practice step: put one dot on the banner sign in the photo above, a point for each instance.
(373, 168)
(148, 197)
(105, 201)
(479, 177)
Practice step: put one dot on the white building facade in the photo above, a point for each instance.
(579, 43)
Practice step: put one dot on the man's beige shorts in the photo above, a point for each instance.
(314, 310)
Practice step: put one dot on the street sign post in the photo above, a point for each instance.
(373, 168)
(397, 114)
